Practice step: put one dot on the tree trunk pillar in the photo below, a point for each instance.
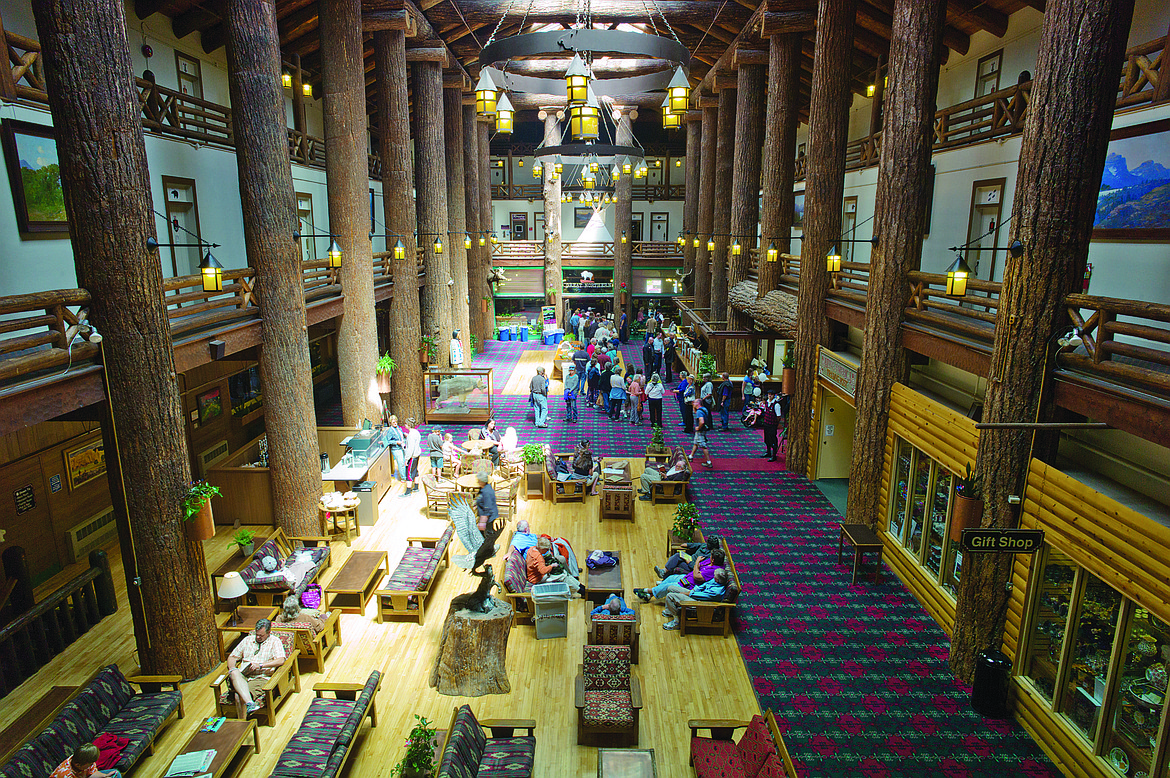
(106, 184)
(477, 284)
(778, 165)
(486, 219)
(721, 225)
(554, 284)
(1065, 140)
(270, 217)
(694, 120)
(828, 126)
(348, 179)
(623, 272)
(705, 215)
(430, 173)
(456, 215)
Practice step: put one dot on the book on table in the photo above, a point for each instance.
(191, 764)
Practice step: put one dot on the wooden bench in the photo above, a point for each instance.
(34, 720)
(315, 645)
(285, 546)
(285, 681)
(414, 576)
(863, 540)
(712, 616)
(724, 729)
(562, 491)
(669, 491)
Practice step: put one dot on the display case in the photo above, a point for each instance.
(1050, 622)
(458, 396)
(1131, 739)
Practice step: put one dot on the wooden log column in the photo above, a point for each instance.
(477, 284)
(745, 194)
(623, 271)
(456, 214)
(270, 216)
(554, 284)
(106, 184)
(430, 172)
(705, 217)
(828, 132)
(485, 214)
(694, 120)
(899, 221)
(778, 164)
(1082, 43)
(347, 176)
(721, 224)
(406, 390)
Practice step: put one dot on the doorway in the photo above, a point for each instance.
(519, 222)
(635, 227)
(835, 447)
(305, 216)
(983, 226)
(848, 224)
(659, 226)
(182, 225)
(538, 226)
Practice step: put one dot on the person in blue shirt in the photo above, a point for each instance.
(680, 393)
(709, 591)
(614, 606)
(725, 390)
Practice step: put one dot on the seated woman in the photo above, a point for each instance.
(291, 611)
(704, 572)
(677, 597)
(675, 471)
(543, 566)
(684, 560)
(585, 467)
(489, 433)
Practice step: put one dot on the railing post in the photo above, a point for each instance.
(7, 87)
(1104, 335)
(16, 566)
(103, 585)
(1163, 90)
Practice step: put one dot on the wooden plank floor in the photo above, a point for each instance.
(695, 677)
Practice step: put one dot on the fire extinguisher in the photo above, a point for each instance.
(1088, 275)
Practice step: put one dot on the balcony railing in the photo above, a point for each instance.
(533, 250)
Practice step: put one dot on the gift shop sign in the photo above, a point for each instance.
(837, 371)
(1002, 541)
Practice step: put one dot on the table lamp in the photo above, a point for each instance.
(232, 587)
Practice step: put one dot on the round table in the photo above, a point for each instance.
(468, 483)
(478, 446)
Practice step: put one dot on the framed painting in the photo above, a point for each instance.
(581, 217)
(30, 152)
(798, 209)
(210, 406)
(85, 463)
(1134, 200)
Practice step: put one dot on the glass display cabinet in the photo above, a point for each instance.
(456, 396)
(919, 513)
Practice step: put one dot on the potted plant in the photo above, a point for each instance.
(788, 377)
(967, 510)
(622, 289)
(384, 370)
(657, 443)
(197, 518)
(483, 303)
(706, 365)
(533, 456)
(419, 761)
(474, 344)
(686, 523)
(428, 351)
(246, 540)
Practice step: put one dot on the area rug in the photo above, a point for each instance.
(856, 675)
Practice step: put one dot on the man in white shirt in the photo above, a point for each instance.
(538, 396)
(456, 350)
(250, 665)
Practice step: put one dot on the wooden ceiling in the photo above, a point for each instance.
(710, 29)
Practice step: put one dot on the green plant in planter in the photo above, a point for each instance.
(686, 520)
(969, 485)
(385, 366)
(432, 348)
(706, 365)
(789, 360)
(198, 496)
(419, 760)
(474, 344)
(657, 439)
(536, 331)
(243, 537)
(533, 454)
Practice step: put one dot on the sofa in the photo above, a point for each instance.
(516, 587)
(712, 616)
(107, 703)
(669, 491)
(561, 491)
(468, 752)
(303, 564)
(325, 737)
(404, 592)
(759, 753)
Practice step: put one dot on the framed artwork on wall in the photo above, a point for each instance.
(798, 209)
(1134, 201)
(30, 152)
(85, 463)
(210, 406)
(581, 217)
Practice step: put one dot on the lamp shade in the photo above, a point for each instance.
(623, 236)
(231, 586)
(482, 240)
(710, 244)
(504, 116)
(736, 249)
(485, 95)
(286, 79)
(957, 275)
(696, 242)
(772, 253)
(212, 273)
(577, 80)
(334, 254)
(438, 246)
(399, 250)
(833, 260)
(307, 89)
(678, 92)
(583, 121)
(466, 241)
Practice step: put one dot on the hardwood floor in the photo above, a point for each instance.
(682, 678)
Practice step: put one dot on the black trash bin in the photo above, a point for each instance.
(989, 692)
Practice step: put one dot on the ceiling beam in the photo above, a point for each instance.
(978, 13)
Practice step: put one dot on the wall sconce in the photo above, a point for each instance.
(772, 252)
(957, 275)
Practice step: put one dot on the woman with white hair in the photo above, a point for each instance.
(292, 612)
(655, 391)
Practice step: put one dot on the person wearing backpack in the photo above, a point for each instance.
(702, 426)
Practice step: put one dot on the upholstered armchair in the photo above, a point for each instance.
(285, 682)
(561, 491)
(607, 696)
(314, 645)
(606, 629)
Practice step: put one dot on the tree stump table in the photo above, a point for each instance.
(472, 653)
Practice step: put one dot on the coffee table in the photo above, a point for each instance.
(354, 584)
(231, 753)
(626, 763)
(599, 584)
(617, 490)
(249, 615)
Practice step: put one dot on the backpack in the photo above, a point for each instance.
(705, 415)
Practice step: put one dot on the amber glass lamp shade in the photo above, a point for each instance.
(957, 275)
(772, 252)
(399, 250)
(334, 254)
(438, 246)
(583, 122)
(212, 273)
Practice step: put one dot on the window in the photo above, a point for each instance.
(920, 512)
(987, 74)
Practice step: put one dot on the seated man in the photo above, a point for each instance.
(704, 572)
(676, 471)
(614, 606)
(544, 567)
(83, 764)
(250, 665)
(683, 561)
(711, 591)
(585, 467)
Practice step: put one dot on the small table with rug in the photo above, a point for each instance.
(354, 584)
(617, 490)
(248, 616)
(626, 763)
(601, 583)
(229, 742)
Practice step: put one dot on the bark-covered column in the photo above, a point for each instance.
(623, 271)
(724, 161)
(430, 172)
(899, 219)
(106, 184)
(477, 284)
(553, 273)
(694, 121)
(485, 214)
(705, 217)
(778, 165)
(348, 180)
(745, 202)
(1066, 137)
(456, 215)
(406, 388)
(828, 132)
(269, 204)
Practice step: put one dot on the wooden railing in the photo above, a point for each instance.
(36, 330)
(306, 149)
(1146, 360)
(535, 191)
(971, 316)
(1144, 77)
(518, 249)
(27, 79)
(657, 249)
(33, 638)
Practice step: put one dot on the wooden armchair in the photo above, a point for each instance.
(510, 501)
(285, 682)
(712, 616)
(561, 491)
(669, 491)
(315, 645)
(608, 630)
(607, 696)
(710, 749)
(437, 491)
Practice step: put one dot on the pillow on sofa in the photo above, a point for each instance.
(755, 746)
(773, 768)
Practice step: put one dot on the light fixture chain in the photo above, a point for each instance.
(650, 14)
(524, 19)
(664, 21)
(499, 24)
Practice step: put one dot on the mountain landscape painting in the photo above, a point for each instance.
(1134, 200)
(35, 176)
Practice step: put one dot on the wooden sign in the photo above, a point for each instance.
(1002, 541)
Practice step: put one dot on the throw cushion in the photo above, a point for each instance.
(608, 709)
(755, 745)
(516, 573)
(716, 758)
(508, 757)
(606, 667)
(310, 747)
(773, 767)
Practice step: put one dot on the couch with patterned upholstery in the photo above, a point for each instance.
(297, 567)
(516, 587)
(106, 704)
(759, 753)
(404, 592)
(607, 696)
(325, 738)
(468, 752)
(607, 629)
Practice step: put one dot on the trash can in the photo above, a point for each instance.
(505, 334)
(558, 336)
(523, 334)
(989, 691)
(551, 604)
(549, 338)
(367, 515)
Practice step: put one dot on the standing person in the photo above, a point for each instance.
(574, 321)
(725, 389)
(485, 502)
(591, 327)
(413, 453)
(572, 384)
(624, 328)
(603, 386)
(456, 350)
(580, 360)
(668, 354)
(538, 393)
(648, 356)
(617, 395)
(707, 393)
(659, 349)
(435, 450)
(702, 426)
(636, 397)
(654, 393)
(396, 442)
(684, 408)
(770, 420)
(592, 380)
